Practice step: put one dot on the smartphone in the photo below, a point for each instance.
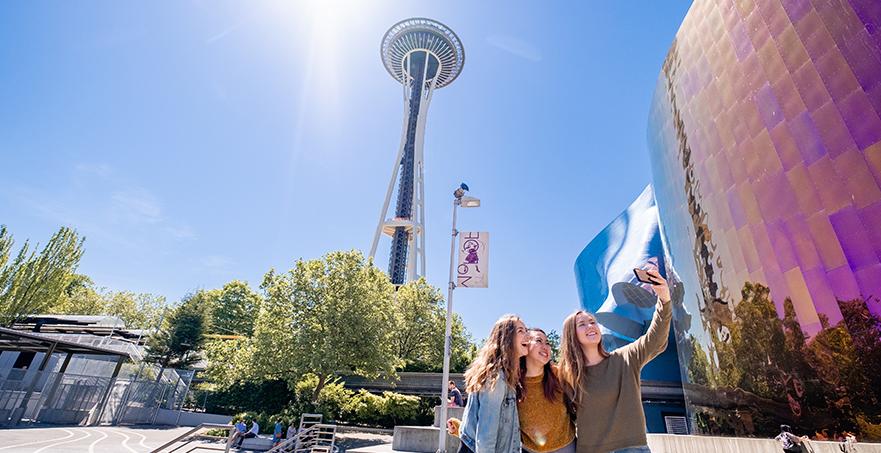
(643, 276)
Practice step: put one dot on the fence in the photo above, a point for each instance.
(50, 397)
(138, 400)
(135, 397)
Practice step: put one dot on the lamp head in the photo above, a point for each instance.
(460, 191)
(469, 202)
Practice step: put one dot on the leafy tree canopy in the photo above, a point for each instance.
(31, 282)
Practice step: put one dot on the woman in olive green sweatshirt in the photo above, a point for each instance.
(605, 386)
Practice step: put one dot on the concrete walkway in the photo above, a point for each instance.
(77, 439)
(664, 443)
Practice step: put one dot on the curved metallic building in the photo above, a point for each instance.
(765, 140)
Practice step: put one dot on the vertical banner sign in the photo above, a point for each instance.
(473, 265)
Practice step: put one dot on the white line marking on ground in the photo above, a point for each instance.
(62, 443)
(92, 445)
(69, 434)
(124, 442)
(143, 438)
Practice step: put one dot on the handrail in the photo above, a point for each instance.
(305, 439)
(293, 440)
(194, 430)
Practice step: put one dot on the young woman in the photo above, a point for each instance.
(605, 386)
(545, 421)
(490, 423)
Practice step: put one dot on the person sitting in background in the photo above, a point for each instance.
(292, 430)
(790, 442)
(239, 430)
(253, 432)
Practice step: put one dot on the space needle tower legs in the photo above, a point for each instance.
(422, 55)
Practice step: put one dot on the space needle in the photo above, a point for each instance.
(422, 55)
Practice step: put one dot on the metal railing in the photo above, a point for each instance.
(313, 436)
(203, 426)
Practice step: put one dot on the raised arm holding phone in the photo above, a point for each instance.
(604, 386)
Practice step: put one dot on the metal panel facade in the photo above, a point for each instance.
(765, 140)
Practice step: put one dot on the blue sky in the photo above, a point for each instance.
(196, 142)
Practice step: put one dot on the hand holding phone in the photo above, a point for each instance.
(643, 276)
(659, 285)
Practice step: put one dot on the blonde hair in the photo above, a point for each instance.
(496, 355)
(572, 361)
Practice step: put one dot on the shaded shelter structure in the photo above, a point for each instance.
(35, 384)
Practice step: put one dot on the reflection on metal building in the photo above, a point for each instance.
(624, 307)
(765, 140)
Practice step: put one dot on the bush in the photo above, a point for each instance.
(386, 410)
(265, 396)
(400, 409)
(340, 405)
(331, 400)
(364, 408)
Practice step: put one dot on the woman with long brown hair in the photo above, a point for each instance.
(605, 386)
(490, 423)
(543, 410)
(545, 420)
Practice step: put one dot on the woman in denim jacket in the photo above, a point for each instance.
(490, 423)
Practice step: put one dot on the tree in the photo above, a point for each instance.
(758, 340)
(325, 316)
(420, 324)
(865, 330)
(177, 343)
(138, 311)
(32, 282)
(234, 308)
(554, 343)
(81, 297)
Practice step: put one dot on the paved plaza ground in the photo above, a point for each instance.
(86, 439)
(123, 439)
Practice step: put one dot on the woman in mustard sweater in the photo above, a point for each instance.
(605, 386)
(545, 419)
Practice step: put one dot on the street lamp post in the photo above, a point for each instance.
(459, 199)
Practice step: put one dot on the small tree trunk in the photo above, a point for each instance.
(322, 381)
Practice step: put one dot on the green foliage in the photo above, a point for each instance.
(268, 396)
(32, 282)
(554, 342)
(233, 309)
(230, 362)
(138, 311)
(757, 338)
(698, 365)
(325, 316)
(329, 316)
(420, 324)
(81, 297)
(398, 409)
(826, 381)
(339, 404)
(177, 343)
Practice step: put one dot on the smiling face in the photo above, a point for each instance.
(521, 340)
(539, 347)
(587, 330)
